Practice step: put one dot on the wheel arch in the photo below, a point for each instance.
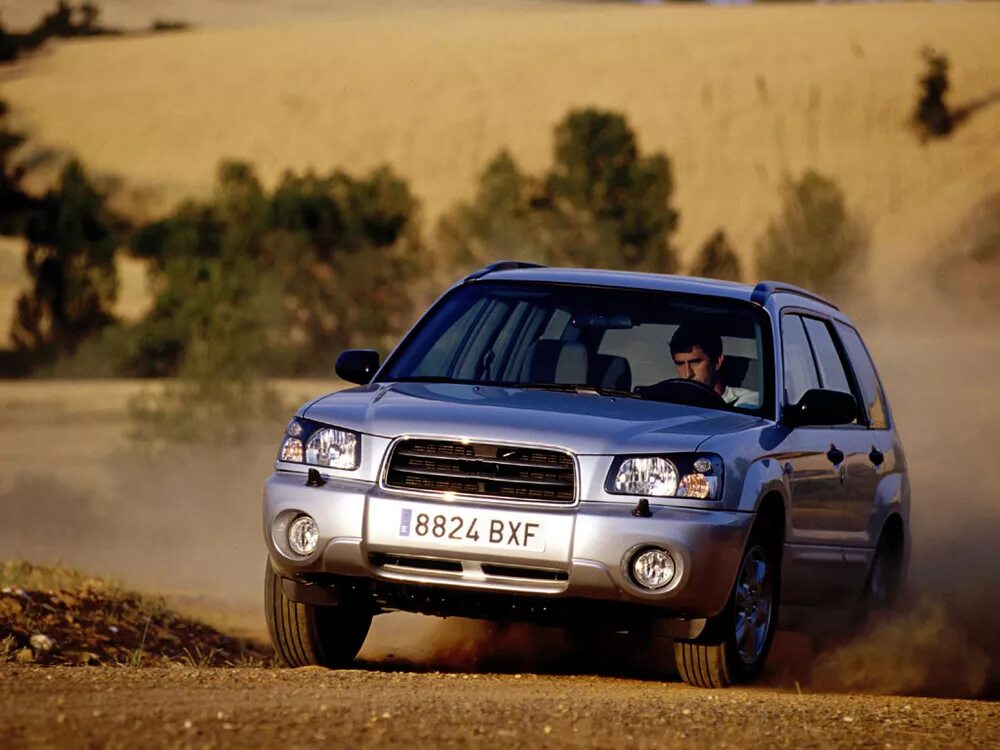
(772, 507)
(895, 533)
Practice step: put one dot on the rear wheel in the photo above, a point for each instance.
(737, 642)
(307, 634)
(885, 579)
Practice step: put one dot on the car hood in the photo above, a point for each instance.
(584, 423)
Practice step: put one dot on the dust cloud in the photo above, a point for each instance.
(182, 522)
(940, 364)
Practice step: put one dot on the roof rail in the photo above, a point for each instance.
(502, 265)
(765, 289)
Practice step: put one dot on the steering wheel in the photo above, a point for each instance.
(682, 391)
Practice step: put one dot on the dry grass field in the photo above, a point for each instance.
(739, 97)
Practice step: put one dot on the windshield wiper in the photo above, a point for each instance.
(569, 388)
(435, 379)
(561, 387)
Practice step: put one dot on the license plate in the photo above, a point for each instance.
(467, 528)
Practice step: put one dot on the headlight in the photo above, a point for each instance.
(318, 445)
(331, 447)
(696, 476)
(647, 475)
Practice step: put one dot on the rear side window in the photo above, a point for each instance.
(831, 368)
(864, 371)
(799, 368)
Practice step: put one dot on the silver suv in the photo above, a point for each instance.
(671, 456)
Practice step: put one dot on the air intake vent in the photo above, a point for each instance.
(483, 469)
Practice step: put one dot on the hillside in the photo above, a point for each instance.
(739, 97)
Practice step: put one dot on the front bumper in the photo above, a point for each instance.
(585, 557)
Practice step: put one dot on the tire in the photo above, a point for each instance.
(884, 582)
(736, 643)
(306, 634)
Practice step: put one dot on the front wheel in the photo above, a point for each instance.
(737, 642)
(307, 634)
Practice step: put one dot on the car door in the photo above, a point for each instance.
(849, 442)
(814, 479)
(817, 467)
(876, 458)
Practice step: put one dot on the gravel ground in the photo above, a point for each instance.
(309, 707)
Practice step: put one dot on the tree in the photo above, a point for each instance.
(814, 242)
(595, 157)
(601, 204)
(600, 177)
(500, 221)
(932, 118)
(58, 22)
(327, 257)
(15, 204)
(251, 284)
(70, 260)
(717, 259)
(89, 13)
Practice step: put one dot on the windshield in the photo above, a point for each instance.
(619, 341)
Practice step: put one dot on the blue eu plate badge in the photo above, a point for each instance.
(404, 522)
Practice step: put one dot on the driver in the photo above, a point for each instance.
(697, 354)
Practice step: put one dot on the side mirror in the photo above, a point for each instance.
(821, 407)
(357, 365)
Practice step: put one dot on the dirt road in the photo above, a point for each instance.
(312, 707)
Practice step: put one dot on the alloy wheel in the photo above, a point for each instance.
(753, 605)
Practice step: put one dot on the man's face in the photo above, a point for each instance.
(696, 365)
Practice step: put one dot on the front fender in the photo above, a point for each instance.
(763, 477)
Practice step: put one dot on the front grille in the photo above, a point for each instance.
(482, 469)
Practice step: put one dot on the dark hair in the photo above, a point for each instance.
(689, 335)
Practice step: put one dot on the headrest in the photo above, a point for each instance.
(554, 361)
(612, 372)
(736, 372)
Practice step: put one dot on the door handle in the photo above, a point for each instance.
(876, 456)
(835, 455)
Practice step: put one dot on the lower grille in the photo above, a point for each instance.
(400, 562)
(416, 563)
(483, 469)
(534, 574)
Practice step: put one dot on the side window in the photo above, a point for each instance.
(864, 371)
(797, 360)
(831, 369)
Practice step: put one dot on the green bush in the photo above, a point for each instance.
(814, 241)
(252, 284)
(717, 259)
(601, 204)
(71, 263)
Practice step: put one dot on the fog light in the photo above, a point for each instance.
(303, 535)
(653, 568)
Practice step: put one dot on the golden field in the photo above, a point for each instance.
(739, 97)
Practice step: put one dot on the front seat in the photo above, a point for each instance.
(555, 361)
(612, 372)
